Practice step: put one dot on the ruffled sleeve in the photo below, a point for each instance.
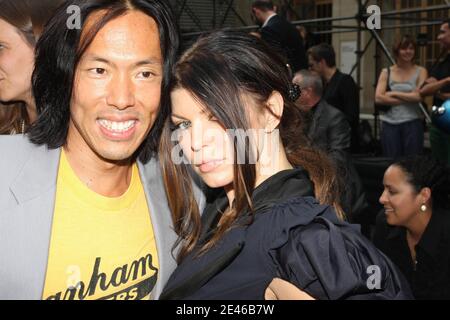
(330, 259)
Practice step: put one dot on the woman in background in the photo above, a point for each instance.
(275, 229)
(401, 126)
(414, 229)
(21, 23)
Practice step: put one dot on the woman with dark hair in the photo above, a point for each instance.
(21, 24)
(398, 87)
(263, 235)
(414, 229)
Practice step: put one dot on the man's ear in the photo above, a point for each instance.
(321, 63)
(274, 111)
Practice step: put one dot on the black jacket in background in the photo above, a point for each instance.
(282, 35)
(343, 94)
(329, 130)
(429, 276)
(291, 237)
(441, 71)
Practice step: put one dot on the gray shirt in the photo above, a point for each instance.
(407, 111)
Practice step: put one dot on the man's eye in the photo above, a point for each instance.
(98, 71)
(145, 74)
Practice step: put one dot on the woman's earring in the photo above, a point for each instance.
(423, 208)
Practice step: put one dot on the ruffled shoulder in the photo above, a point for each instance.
(326, 257)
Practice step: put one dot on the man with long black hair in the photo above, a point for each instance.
(83, 213)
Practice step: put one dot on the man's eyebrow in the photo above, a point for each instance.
(151, 61)
(97, 59)
(148, 61)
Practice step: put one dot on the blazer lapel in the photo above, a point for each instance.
(165, 236)
(28, 226)
(161, 217)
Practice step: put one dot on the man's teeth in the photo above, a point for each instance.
(117, 126)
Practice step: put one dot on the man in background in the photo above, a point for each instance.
(279, 33)
(438, 86)
(329, 130)
(340, 90)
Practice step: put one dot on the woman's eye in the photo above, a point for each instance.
(183, 125)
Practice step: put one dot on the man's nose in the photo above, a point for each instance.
(121, 92)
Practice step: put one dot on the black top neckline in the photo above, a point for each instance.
(434, 233)
(283, 185)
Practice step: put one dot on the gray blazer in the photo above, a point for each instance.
(28, 176)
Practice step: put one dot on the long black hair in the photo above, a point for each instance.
(59, 50)
(219, 70)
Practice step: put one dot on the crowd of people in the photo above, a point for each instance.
(131, 170)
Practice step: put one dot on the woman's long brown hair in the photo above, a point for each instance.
(29, 18)
(218, 70)
(13, 118)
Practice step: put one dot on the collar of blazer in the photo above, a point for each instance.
(38, 174)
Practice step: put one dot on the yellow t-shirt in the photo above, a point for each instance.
(100, 248)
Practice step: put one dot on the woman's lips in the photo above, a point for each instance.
(208, 166)
(387, 210)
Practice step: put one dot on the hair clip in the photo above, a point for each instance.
(294, 92)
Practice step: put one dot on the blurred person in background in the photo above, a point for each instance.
(402, 128)
(329, 130)
(340, 90)
(21, 24)
(438, 86)
(309, 40)
(279, 33)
